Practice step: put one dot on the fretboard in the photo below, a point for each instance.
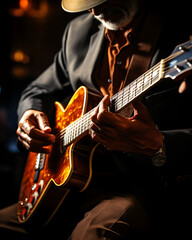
(118, 101)
(137, 87)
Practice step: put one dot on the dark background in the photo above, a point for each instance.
(31, 34)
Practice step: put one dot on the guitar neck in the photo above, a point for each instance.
(118, 101)
(136, 88)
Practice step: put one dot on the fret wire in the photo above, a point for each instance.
(135, 87)
(120, 99)
(73, 130)
(125, 96)
(143, 83)
(134, 84)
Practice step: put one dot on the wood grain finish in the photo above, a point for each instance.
(69, 166)
(66, 168)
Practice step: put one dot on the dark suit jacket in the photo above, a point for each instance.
(74, 65)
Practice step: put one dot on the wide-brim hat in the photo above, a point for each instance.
(80, 5)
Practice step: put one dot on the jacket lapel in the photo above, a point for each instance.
(93, 57)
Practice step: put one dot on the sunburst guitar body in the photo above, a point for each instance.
(48, 178)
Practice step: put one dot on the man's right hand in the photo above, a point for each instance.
(34, 131)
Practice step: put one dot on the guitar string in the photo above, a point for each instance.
(130, 94)
(149, 72)
(125, 92)
(84, 119)
(146, 75)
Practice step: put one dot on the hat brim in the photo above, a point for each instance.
(80, 5)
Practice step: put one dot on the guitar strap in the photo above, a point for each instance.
(147, 42)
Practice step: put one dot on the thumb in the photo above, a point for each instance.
(43, 122)
(105, 103)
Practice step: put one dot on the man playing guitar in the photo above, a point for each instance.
(139, 155)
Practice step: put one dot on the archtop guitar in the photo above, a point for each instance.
(48, 178)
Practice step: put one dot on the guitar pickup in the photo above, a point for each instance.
(40, 161)
(39, 165)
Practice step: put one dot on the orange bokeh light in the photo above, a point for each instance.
(24, 4)
(27, 7)
(19, 56)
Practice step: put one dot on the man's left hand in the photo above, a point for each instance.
(136, 134)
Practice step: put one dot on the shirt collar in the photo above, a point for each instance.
(118, 38)
(127, 35)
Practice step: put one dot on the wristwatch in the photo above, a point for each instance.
(159, 158)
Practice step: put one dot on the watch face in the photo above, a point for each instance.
(159, 160)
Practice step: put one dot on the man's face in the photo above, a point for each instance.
(116, 14)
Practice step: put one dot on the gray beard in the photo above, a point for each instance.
(124, 20)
